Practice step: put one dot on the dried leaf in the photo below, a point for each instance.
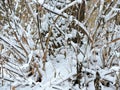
(1, 47)
(13, 88)
(24, 40)
(20, 60)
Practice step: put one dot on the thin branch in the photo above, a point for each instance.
(68, 6)
(7, 79)
(13, 46)
(14, 72)
(53, 10)
(113, 41)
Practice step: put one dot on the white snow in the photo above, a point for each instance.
(41, 1)
(79, 1)
(21, 64)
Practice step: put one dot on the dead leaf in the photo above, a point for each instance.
(13, 88)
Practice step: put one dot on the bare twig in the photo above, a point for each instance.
(46, 49)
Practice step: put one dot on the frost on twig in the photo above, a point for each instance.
(59, 44)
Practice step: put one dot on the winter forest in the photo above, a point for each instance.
(59, 44)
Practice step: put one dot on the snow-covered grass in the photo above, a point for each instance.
(45, 46)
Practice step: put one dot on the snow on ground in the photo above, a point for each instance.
(60, 71)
